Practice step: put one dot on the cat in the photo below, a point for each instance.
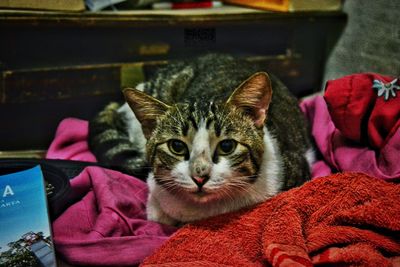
(213, 135)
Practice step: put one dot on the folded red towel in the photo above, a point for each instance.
(344, 219)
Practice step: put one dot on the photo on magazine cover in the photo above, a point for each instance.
(25, 235)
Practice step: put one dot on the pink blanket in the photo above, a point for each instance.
(107, 226)
(70, 141)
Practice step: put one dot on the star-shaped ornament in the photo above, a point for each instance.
(387, 90)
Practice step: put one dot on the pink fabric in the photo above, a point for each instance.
(107, 226)
(70, 141)
(342, 154)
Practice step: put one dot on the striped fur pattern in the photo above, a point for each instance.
(217, 134)
(116, 138)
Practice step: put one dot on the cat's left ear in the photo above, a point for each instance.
(253, 97)
(147, 109)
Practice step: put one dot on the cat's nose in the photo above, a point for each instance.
(201, 169)
(200, 180)
(200, 166)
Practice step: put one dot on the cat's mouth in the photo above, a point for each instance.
(202, 190)
(201, 193)
(202, 196)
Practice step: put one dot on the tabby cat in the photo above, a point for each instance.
(215, 133)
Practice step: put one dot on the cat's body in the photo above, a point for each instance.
(211, 149)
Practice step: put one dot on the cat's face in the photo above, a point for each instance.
(206, 151)
(205, 154)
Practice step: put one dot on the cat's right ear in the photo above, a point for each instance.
(253, 97)
(146, 108)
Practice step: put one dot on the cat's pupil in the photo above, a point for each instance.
(227, 146)
(177, 147)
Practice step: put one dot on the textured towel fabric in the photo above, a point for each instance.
(70, 141)
(364, 114)
(346, 219)
(342, 154)
(107, 226)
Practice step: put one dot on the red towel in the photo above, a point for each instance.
(347, 219)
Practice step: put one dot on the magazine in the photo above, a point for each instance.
(25, 234)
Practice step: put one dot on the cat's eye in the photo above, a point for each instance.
(177, 147)
(226, 147)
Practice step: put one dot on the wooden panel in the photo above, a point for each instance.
(56, 65)
(60, 83)
(39, 85)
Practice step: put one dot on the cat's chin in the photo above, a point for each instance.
(202, 197)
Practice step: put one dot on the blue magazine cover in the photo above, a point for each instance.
(25, 235)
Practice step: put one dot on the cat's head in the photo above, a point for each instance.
(206, 151)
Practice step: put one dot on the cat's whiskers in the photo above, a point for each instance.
(171, 181)
(185, 184)
(229, 193)
(239, 184)
(248, 190)
(170, 186)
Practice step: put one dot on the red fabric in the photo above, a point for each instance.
(107, 226)
(347, 219)
(359, 113)
(339, 154)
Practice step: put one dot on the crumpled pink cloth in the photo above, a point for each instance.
(342, 154)
(107, 226)
(70, 141)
